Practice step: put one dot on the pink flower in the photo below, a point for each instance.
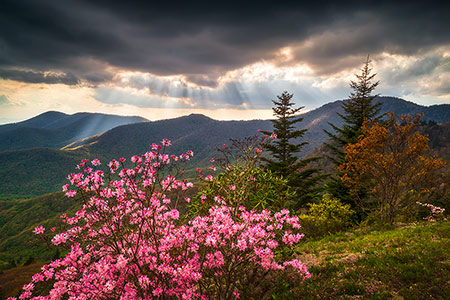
(38, 277)
(59, 238)
(144, 281)
(71, 193)
(219, 200)
(25, 295)
(28, 287)
(129, 223)
(135, 158)
(273, 135)
(174, 214)
(158, 291)
(39, 230)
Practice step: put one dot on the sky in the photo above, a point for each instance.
(224, 59)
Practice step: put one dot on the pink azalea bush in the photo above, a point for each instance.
(129, 242)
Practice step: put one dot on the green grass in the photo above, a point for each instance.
(410, 262)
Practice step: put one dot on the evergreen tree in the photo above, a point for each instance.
(284, 160)
(359, 107)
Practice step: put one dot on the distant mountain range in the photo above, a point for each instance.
(35, 171)
(317, 120)
(55, 129)
(41, 170)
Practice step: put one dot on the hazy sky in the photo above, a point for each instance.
(222, 58)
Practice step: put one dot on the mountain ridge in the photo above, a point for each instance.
(195, 132)
(55, 129)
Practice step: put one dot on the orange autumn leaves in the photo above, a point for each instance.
(392, 163)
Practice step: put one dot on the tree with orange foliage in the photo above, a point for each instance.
(394, 161)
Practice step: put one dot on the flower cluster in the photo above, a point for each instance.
(128, 242)
(434, 211)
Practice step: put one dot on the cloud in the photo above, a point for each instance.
(415, 76)
(4, 100)
(7, 103)
(138, 98)
(244, 89)
(39, 77)
(91, 41)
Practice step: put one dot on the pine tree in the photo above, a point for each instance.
(284, 160)
(359, 107)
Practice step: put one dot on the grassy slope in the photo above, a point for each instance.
(11, 282)
(18, 219)
(411, 262)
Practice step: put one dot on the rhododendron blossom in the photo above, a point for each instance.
(39, 230)
(129, 241)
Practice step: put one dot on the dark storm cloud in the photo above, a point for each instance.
(38, 77)
(204, 40)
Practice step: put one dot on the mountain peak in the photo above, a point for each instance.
(197, 118)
